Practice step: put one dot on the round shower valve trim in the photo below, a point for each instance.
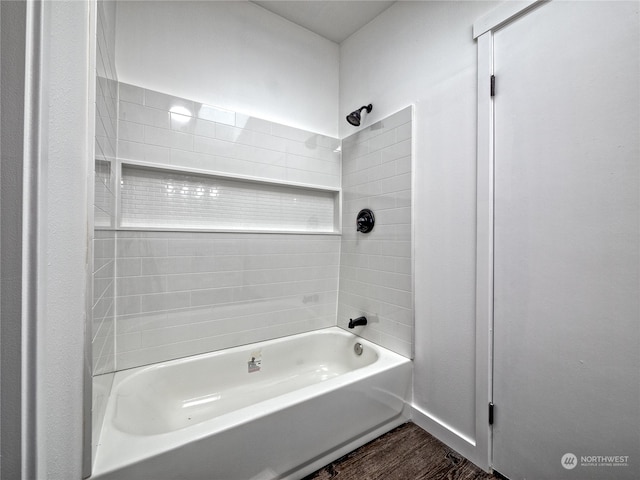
(365, 220)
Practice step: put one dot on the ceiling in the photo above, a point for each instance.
(334, 20)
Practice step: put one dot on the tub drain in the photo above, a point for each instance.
(358, 348)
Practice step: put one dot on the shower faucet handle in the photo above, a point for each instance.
(365, 221)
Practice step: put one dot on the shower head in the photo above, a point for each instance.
(354, 117)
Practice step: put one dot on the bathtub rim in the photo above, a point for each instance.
(128, 373)
(110, 458)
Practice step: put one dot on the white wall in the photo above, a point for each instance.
(423, 53)
(234, 55)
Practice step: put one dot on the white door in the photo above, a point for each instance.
(567, 248)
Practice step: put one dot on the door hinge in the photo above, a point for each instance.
(493, 85)
(490, 413)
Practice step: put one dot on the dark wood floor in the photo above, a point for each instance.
(405, 453)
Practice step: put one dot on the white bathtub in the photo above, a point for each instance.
(308, 399)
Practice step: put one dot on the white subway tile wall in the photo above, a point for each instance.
(163, 129)
(184, 293)
(104, 198)
(165, 198)
(376, 268)
(103, 310)
(105, 141)
(102, 318)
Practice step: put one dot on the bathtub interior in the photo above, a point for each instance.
(162, 398)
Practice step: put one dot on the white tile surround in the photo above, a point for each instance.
(104, 237)
(376, 268)
(165, 198)
(181, 293)
(185, 293)
(169, 130)
(103, 310)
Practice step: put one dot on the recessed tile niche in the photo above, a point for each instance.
(168, 199)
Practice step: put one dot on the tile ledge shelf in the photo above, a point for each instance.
(217, 230)
(226, 176)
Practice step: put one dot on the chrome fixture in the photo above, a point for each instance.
(356, 322)
(354, 117)
(358, 348)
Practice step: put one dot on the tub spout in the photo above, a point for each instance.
(357, 321)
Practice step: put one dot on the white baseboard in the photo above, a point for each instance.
(462, 444)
